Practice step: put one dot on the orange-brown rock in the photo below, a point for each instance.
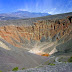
(45, 55)
(45, 28)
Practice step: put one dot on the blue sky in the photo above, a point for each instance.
(44, 6)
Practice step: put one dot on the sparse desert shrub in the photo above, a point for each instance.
(60, 59)
(39, 66)
(23, 68)
(0, 71)
(70, 59)
(54, 60)
(51, 64)
(15, 69)
(65, 62)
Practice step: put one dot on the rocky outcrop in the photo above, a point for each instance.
(45, 30)
(22, 41)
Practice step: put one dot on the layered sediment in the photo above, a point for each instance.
(45, 30)
(19, 39)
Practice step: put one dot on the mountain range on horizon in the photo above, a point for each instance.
(21, 15)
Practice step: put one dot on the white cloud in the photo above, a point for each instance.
(53, 11)
(44, 11)
(22, 10)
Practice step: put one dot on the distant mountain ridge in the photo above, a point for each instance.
(21, 15)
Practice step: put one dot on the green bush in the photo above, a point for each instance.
(51, 64)
(70, 59)
(23, 68)
(65, 62)
(0, 71)
(15, 69)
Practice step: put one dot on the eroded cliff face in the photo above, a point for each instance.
(43, 37)
(46, 30)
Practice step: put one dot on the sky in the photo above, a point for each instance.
(42, 6)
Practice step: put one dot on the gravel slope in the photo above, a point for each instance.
(11, 57)
(62, 67)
